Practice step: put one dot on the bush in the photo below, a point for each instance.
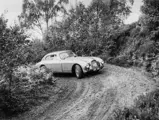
(42, 77)
(12, 103)
(123, 61)
(30, 87)
(146, 108)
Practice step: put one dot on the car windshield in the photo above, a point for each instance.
(67, 54)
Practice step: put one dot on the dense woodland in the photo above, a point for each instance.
(95, 30)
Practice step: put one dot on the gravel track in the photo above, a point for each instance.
(96, 96)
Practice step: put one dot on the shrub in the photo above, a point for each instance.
(30, 87)
(39, 77)
(12, 104)
(121, 61)
(146, 108)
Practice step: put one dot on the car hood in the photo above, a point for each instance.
(85, 59)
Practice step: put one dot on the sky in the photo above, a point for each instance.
(14, 8)
(134, 16)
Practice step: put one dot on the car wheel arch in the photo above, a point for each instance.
(78, 71)
(73, 67)
(42, 65)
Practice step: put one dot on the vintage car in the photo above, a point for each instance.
(68, 62)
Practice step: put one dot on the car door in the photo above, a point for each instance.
(66, 63)
(53, 63)
(48, 62)
(67, 66)
(56, 64)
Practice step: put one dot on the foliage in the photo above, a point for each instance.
(88, 30)
(37, 50)
(30, 87)
(39, 13)
(146, 108)
(16, 91)
(12, 41)
(12, 49)
(150, 10)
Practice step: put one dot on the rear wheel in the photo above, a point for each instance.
(43, 68)
(78, 71)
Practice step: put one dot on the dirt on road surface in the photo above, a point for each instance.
(95, 96)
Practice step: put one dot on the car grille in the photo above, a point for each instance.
(95, 64)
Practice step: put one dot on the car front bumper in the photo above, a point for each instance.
(98, 67)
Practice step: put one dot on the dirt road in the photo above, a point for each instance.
(95, 96)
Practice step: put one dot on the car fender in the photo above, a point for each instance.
(82, 64)
(98, 59)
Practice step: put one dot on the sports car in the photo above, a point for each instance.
(68, 62)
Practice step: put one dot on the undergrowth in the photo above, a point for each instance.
(29, 88)
(146, 108)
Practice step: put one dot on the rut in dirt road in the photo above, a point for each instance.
(95, 97)
(114, 87)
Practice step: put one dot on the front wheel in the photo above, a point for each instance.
(78, 71)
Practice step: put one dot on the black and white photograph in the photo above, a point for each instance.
(79, 59)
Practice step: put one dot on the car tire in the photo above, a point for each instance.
(78, 71)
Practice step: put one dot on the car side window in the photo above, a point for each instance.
(50, 57)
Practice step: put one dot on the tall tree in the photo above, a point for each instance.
(150, 22)
(12, 47)
(150, 10)
(107, 16)
(40, 13)
(86, 28)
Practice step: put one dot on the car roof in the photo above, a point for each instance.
(57, 52)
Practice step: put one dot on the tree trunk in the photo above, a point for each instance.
(9, 76)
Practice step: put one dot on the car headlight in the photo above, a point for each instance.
(87, 67)
(102, 63)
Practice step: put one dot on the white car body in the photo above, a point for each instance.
(64, 62)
